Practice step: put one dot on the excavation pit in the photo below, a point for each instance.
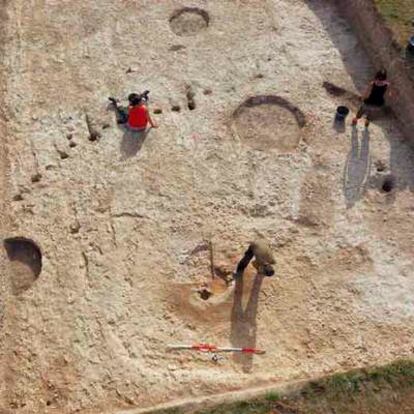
(189, 21)
(26, 260)
(388, 184)
(269, 122)
(205, 294)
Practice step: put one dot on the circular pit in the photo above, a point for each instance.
(189, 21)
(269, 122)
(26, 262)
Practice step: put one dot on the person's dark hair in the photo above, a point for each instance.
(268, 270)
(381, 75)
(134, 98)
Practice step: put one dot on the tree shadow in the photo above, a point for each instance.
(243, 322)
(357, 168)
(353, 55)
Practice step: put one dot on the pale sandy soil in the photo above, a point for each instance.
(124, 228)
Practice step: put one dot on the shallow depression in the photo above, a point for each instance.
(26, 260)
(266, 122)
(188, 21)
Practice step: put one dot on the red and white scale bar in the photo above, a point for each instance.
(214, 348)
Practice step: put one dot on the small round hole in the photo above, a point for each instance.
(188, 21)
(205, 294)
(26, 260)
(388, 184)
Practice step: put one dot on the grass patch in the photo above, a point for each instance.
(338, 390)
(399, 15)
(372, 388)
(244, 407)
(272, 396)
(397, 374)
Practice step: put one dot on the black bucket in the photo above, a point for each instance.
(341, 113)
(410, 46)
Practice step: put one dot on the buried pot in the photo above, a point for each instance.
(341, 113)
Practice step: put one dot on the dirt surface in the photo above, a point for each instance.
(125, 225)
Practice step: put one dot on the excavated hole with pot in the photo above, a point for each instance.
(269, 122)
(189, 21)
(26, 262)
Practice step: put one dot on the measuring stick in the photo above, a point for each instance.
(214, 348)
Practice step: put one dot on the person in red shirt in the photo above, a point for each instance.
(138, 115)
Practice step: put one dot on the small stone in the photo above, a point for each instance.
(36, 178)
(73, 144)
(175, 48)
(75, 227)
(207, 91)
(69, 136)
(106, 126)
(18, 197)
(191, 105)
(157, 111)
(175, 108)
(63, 155)
(94, 136)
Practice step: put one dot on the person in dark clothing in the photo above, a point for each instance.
(373, 98)
(264, 260)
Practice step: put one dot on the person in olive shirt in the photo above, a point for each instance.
(264, 259)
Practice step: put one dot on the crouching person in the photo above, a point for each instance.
(264, 260)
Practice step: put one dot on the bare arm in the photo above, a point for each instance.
(367, 91)
(390, 92)
(152, 123)
(248, 255)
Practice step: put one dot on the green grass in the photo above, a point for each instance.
(397, 374)
(272, 396)
(340, 388)
(337, 392)
(398, 14)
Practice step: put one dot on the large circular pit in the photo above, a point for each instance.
(269, 122)
(26, 262)
(188, 21)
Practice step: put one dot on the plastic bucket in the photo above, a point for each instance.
(341, 113)
(410, 46)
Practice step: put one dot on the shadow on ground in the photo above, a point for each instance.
(132, 142)
(243, 322)
(357, 168)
